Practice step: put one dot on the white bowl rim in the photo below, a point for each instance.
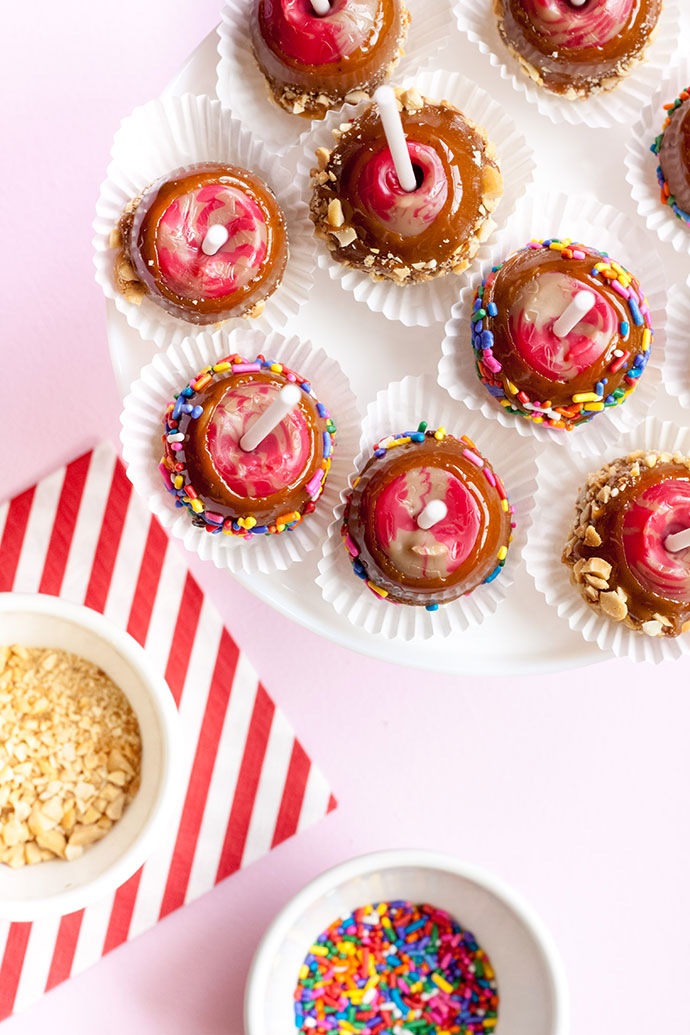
(402, 858)
(162, 700)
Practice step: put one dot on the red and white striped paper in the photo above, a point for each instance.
(82, 534)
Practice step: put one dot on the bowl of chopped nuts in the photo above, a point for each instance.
(89, 766)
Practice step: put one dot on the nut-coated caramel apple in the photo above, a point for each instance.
(577, 47)
(620, 553)
(205, 243)
(315, 62)
(370, 223)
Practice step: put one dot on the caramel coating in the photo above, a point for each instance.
(595, 554)
(313, 90)
(209, 485)
(517, 382)
(359, 521)
(576, 72)
(137, 264)
(452, 240)
(674, 156)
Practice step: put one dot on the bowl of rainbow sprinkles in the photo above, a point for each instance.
(406, 941)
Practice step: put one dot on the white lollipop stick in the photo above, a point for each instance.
(215, 238)
(578, 3)
(571, 316)
(678, 541)
(392, 127)
(322, 7)
(288, 398)
(434, 512)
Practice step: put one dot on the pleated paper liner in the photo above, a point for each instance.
(641, 163)
(242, 86)
(142, 428)
(601, 111)
(173, 132)
(676, 371)
(561, 475)
(588, 221)
(422, 304)
(400, 407)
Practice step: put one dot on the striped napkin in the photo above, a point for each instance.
(82, 534)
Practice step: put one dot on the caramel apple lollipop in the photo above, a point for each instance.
(205, 243)
(428, 519)
(577, 47)
(560, 333)
(247, 448)
(406, 231)
(673, 148)
(317, 54)
(629, 550)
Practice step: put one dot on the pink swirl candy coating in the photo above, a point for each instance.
(657, 513)
(315, 39)
(186, 269)
(435, 552)
(276, 462)
(564, 25)
(533, 315)
(407, 214)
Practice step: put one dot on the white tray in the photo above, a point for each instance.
(525, 635)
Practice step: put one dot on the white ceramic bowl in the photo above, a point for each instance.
(531, 983)
(55, 888)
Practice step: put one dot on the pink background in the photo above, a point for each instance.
(572, 787)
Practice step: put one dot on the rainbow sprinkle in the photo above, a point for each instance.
(666, 197)
(472, 454)
(172, 466)
(396, 967)
(582, 406)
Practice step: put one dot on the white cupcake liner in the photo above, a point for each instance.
(242, 86)
(560, 479)
(420, 305)
(676, 370)
(398, 408)
(141, 443)
(641, 164)
(603, 110)
(587, 220)
(155, 140)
